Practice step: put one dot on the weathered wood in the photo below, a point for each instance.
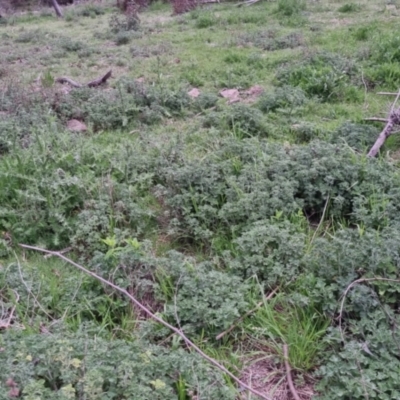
(100, 81)
(65, 79)
(57, 8)
(96, 82)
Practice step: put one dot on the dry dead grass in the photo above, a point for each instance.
(263, 374)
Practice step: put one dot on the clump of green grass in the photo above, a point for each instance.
(290, 8)
(349, 8)
(279, 322)
(206, 20)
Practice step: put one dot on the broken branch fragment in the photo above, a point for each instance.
(394, 120)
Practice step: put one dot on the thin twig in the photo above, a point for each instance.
(66, 250)
(240, 319)
(288, 373)
(344, 295)
(153, 316)
(365, 89)
(385, 120)
(387, 93)
(395, 101)
(321, 220)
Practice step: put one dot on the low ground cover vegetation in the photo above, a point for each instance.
(220, 177)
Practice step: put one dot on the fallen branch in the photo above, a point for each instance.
(356, 282)
(289, 373)
(240, 319)
(153, 316)
(94, 83)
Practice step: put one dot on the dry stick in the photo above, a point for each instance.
(240, 319)
(395, 101)
(153, 316)
(361, 280)
(288, 373)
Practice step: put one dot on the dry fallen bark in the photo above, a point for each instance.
(94, 83)
(177, 331)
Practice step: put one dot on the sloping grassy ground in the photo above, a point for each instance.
(248, 224)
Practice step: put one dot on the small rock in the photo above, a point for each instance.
(231, 94)
(76, 126)
(194, 93)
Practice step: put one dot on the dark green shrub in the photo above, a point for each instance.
(246, 119)
(33, 36)
(122, 38)
(384, 74)
(152, 115)
(289, 8)
(205, 20)
(371, 356)
(90, 10)
(258, 38)
(205, 101)
(286, 97)
(324, 75)
(128, 22)
(233, 57)
(65, 365)
(360, 137)
(350, 255)
(212, 119)
(290, 41)
(386, 48)
(349, 7)
(250, 180)
(68, 44)
(305, 132)
(200, 297)
(362, 33)
(270, 250)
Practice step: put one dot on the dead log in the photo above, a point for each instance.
(96, 82)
